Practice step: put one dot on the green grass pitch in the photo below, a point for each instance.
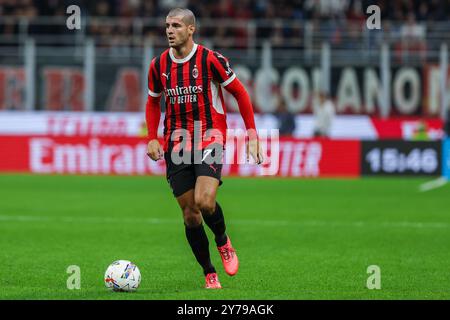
(296, 238)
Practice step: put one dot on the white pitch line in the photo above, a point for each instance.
(267, 223)
(70, 219)
(434, 184)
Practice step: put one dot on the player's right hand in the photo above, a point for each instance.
(154, 150)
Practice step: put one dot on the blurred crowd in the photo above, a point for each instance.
(281, 21)
(236, 9)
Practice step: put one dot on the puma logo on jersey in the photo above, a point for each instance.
(166, 75)
(206, 153)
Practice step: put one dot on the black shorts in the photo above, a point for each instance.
(183, 176)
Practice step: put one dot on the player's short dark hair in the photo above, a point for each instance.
(187, 15)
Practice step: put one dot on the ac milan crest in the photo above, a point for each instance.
(195, 72)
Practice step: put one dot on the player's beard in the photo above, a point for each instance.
(179, 42)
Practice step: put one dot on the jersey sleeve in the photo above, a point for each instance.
(154, 81)
(221, 70)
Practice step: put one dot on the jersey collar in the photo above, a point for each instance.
(187, 58)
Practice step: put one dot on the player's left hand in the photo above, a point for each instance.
(254, 149)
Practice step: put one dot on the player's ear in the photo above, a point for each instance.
(191, 29)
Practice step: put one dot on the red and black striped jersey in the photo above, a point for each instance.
(193, 93)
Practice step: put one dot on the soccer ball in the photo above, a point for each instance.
(122, 275)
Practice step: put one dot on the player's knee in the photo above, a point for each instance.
(206, 203)
(191, 216)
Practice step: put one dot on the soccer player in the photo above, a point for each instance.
(191, 77)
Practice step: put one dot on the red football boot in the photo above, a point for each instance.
(212, 281)
(229, 258)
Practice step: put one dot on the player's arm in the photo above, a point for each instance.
(152, 116)
(242, 97)
(153, 113)
(223, 74)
